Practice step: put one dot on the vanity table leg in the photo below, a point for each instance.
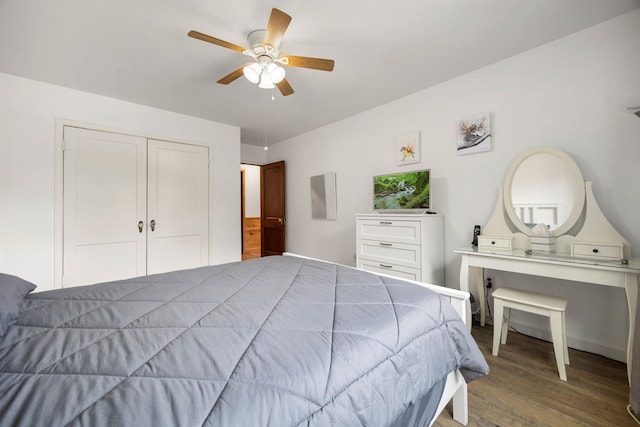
(631, 289)
(477, 276)
(479, 279)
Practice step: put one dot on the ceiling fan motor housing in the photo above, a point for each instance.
(264, 53)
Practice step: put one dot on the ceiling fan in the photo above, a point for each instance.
(264, 48)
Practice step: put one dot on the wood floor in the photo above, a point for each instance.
(524, 389)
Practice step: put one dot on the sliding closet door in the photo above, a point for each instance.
(104, 201)
(178, 206)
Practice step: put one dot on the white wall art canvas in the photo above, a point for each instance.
(407, 147)
(474, 134)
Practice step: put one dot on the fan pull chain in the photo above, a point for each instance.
(266, 147)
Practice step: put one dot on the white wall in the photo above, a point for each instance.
(28, 113)
(253, 154)
(571, 94)
(251, 190)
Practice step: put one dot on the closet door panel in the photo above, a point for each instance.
(178, 206)
(104, 187)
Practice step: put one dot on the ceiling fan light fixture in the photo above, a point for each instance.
(276, 73)
(265, 82)
(252, 72)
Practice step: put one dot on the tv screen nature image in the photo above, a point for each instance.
(402, 191)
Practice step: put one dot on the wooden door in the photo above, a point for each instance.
(104, 185)
(178, 206)
(272, 195)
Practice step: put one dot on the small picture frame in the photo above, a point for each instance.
(407, 148)
(474, 134)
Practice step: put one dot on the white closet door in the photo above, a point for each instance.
(104, 200)
(178, 206)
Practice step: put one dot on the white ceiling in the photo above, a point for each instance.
(138, 50)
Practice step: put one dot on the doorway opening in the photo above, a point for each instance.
(262, 209)
(250, 211)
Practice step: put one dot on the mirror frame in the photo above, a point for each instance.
(578, 187)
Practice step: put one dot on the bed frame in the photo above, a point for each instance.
(456, 387)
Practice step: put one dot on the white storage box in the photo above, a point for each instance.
(543, 244)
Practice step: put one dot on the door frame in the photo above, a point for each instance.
(243, 193)
(58, 184)
(242, 202)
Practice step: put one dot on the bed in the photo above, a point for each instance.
(275, 341)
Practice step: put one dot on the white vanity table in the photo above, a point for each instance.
(584, 247)
(606, 273)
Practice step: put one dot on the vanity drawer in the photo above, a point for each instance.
(597, 250)
(389, 230)
(390, 253)
(502, 243)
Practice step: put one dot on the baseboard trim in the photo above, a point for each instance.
(607, 350)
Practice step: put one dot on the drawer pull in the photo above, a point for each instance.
(386, 222)
(385, 244)
(595, 250)
(386, 266)
(493, 242)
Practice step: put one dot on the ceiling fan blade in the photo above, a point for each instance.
(232, 76)
(201, 36)
(285, 87)
(277, 25)
(314, 63)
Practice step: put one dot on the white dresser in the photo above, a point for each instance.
(409, 246)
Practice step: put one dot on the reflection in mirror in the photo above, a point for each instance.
(544, 186)
(323, 196)
(542, 191)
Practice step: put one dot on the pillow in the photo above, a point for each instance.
(12, 291)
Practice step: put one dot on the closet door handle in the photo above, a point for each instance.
(153, 225)
(140, 226)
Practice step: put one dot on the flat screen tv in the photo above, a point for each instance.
(407, 191)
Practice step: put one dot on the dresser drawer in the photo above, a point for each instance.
(502, 243)
(390, 253)
(388, 230)
(408, 246)
(399, 271)
(597, 250)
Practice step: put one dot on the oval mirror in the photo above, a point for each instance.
(544, 186)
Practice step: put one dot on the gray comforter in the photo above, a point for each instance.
(278, 341)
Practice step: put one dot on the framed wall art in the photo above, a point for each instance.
(474, 134)
(407, 148)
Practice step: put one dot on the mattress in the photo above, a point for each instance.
(278, 341)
